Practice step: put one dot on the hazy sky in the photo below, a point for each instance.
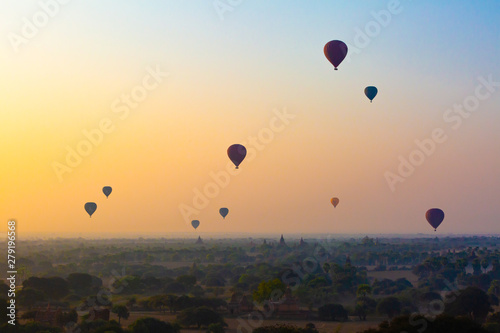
(162, 88)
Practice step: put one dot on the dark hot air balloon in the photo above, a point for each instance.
(195, 223)
(223, 212)
(335, 52)
(90, 208)
(335, 201)
(107, 190)
(371, 92)
(236, 154)
(434, 216)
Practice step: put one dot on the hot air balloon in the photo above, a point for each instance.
(434, 216)
(90, 208)
(335, 52)
(371, 92)
(236, 154)
(195, 223)
(335, 202)
(107, 190)
(223, 212)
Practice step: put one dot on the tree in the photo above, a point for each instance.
(131, 301)
(471, 302)
(198, 291)
(129, 284)
(206, 316)
(213, 281)
(332, 312)
(493, 300)
(81, 283)
(151, 283)
(31, 327)
(218, 291)
(364, 304)
(201, 316)
(419, 323)
(28, 297)
(187, 317)
(493, 318)
(121, 311)
(484, 264)
(171, 299)
(4, 288)
(175, 288)
(184, 302)
(28, 315)
(159, 302)
(269, 290)
(390, 306)
(494, 288)
(187, 280)
(64, 318)
(215, 328)
(111, 327)
(461, 264)
(248, 279)
(317, 282)
(23, 272)
(482, 281)
(476, 266)
(363, 290)
(53, 287)
(346, 278)
(153, 325)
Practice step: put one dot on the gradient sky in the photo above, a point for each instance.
(228, 74)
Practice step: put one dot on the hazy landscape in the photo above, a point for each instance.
(250, 166)
(336, 284)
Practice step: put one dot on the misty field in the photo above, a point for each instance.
(339, 285)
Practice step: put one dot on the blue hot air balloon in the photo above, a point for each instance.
(107, 190)
(223, 212)
(371, 92)
(90, 208)
(195, 223)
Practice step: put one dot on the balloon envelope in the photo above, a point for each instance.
(223, 212)
(434, 216)
(195, 223)
(335, 52)
(107, 190)
(335, 201)
(90, 208)
(371, 92)
(236, 154)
